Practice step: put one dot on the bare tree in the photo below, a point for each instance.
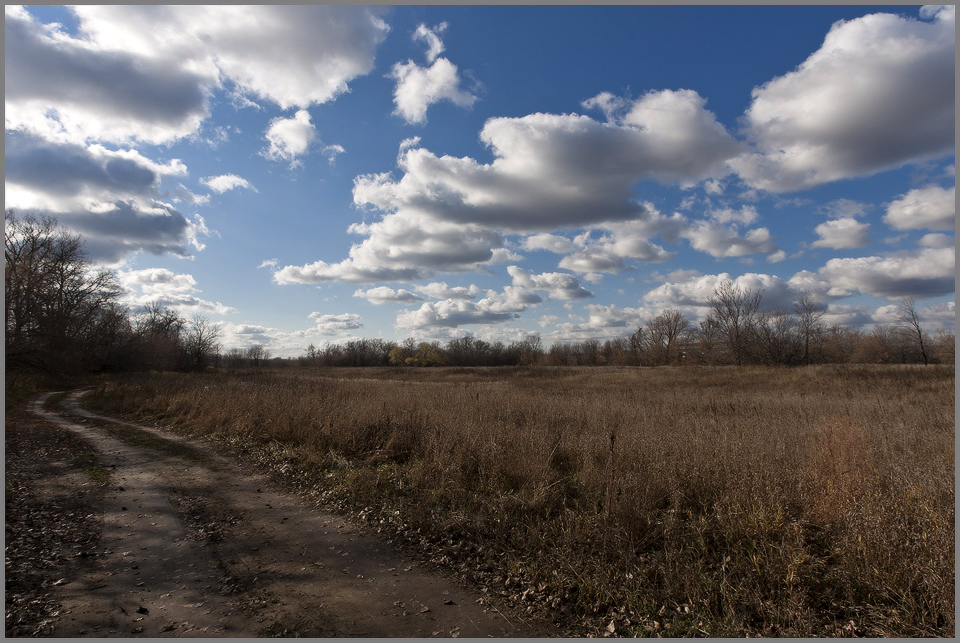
(235, 358)
(531, 349)
(778, 337)
(735, 311)
(640, 346)
(159, 338)
(944, 345)
(202, 342)
(257, 355)
(58, 309)
(810, 311)
(882, 345)
(708, 336)
(909, 322)
(665, 330)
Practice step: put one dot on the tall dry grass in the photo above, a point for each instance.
(808, 501)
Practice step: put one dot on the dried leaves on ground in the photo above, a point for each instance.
(54, 489)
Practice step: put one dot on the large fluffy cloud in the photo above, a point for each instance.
(559, 170)
(878, 93)
(494, 308)
(74, 89)
(720, 240)
(294, 56)
(402, 248)
(419, 87)
(128, 227)
(336, 324)
(114, 198)
(60, 177)
(557, 284)
(930, 208)
(146, 72)
(927, 272)
(692, 293)
(842, 233)
(621, 242)
(550, 172)
(385, 295)
(440, 290)
(170, 289)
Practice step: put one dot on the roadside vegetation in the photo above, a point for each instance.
(677, 501)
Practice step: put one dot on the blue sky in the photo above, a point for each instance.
(312, 174)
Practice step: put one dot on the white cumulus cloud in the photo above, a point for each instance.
(225, 182)
(440, 290)
(289, 138)
(494, 308)
(841, 233)
(928, 272)
(419, 87)
(557, 284)
(384, 295)
(930, 208)
(169, 289)
(432, 39)
(336, 324)
(147, 73)
(549, 172)
(877, 94)
(719, 240)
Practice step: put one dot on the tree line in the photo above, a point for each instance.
(64, 316)
(736, 331)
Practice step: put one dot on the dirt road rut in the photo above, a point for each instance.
(193, 546)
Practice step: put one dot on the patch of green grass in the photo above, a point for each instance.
(53, 402)
(94, 470)
(148, 440)
(18, 390)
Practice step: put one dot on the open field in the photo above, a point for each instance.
(719, 501)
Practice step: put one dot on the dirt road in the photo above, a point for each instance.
(195, 546)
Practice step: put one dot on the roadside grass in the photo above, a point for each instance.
(692, 501)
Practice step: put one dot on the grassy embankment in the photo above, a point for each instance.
(679, 501)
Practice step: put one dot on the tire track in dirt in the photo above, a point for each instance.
(151, 581)
(206, 549)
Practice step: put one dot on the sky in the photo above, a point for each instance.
(312, 174)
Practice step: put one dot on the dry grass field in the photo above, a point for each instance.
(814, 501)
